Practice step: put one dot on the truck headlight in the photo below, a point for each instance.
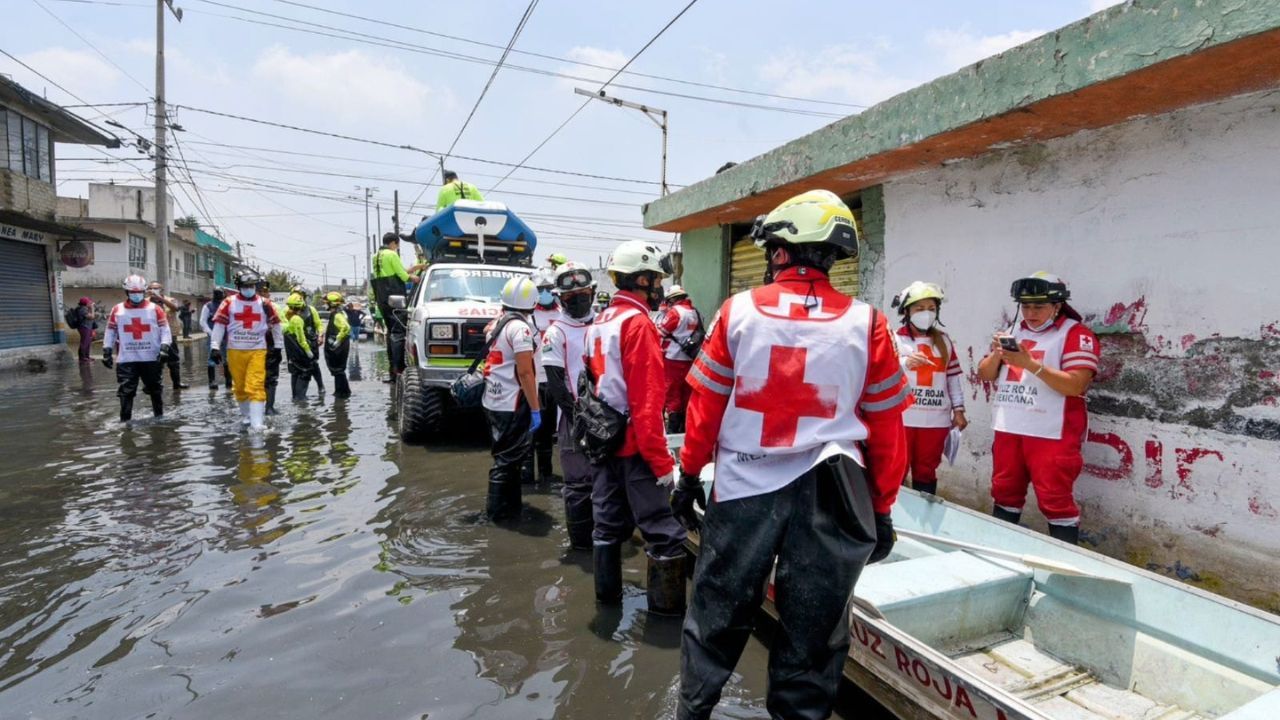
(443, 331)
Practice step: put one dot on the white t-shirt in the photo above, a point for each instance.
(502, 386)
(564, 345)
(542, 319)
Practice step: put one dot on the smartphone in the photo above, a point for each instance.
(1009, 344)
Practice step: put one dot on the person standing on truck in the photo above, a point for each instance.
(797, 390)
(680, 326)
(1042, 371)
(546, 312)
(511, 396)
(337, 345)
(390, 278)
(631, 487)
(563, 347)
(455, 190)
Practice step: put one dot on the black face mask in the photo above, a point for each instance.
(655, 294)
(577, 306)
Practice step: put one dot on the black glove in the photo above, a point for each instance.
(688, 493)
(106, 358)
(165, 349)
(274, 355)
(885, 538)
(216, 356)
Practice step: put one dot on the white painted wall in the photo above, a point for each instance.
(125, 202)
(1168, 227)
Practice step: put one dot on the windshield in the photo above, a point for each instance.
(459, 284)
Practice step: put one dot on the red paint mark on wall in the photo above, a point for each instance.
(1188, 340)
(976, 382)
(1155, 464)
(1261, 507)
(1187, 457)
(1124, 457)
(1132, 316)
(1266, 375)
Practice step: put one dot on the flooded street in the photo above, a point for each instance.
(177, 569)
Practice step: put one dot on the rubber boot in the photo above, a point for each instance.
(1006, 515)
(213, 377)
(666, 585)
(271, 400)
(341, 388)
(244, 413)
(226, 374)
(926, 488)
(126, 409)
(579, 528)
(177, 378)
(257, 416)
(545, 472)
(298, 381)
(526, 469)
(157, 405)
(675, 422)
(607, 567)
(1069, 534)
(503, 501)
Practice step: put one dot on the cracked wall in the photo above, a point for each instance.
(1166, 230)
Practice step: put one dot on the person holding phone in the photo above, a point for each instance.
(1042, 370)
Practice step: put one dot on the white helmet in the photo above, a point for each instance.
(635, 256)
(676, 292)
(543, 277)
(520, 293)
(572, 276)
(134, 283)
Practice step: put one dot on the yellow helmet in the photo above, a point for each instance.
(296, 301)
(334, 298)
(816, 216)
(915, 292)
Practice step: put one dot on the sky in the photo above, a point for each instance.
(737, 78)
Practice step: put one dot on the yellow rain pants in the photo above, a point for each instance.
(248, 374)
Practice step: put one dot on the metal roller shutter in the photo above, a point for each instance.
(27, 318)
(747, 266)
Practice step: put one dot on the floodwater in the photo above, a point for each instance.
(179, 569)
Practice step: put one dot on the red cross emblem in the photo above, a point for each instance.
(136, 328)
(924, 373)
(595, 361)
(794, 307)
(784, 397)
(1015, 373)
(247, 317)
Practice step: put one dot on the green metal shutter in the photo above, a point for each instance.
(27, 318)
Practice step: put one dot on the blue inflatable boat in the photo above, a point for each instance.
(470, 230)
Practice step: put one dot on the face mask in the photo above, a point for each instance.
(923, 319)
(656, 294)
(248, 292)
(578, 306)
(1041, 326)
(136, 297)
(545, 297)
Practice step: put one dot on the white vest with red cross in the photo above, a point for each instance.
(604, 351)
(564, 345)
(1023, 403)
(931, 403)
(799, 374)
(501, 381)
(542, 319)
(685, 326)
(139, 333)
(248, 322)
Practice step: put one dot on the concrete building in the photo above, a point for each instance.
(1137, 154)
(33, 245)
(197, 260)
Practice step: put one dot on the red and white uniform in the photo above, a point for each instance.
(245, 323)
(136, 332)
(676, 323)
(502, 390)
(542, 319)
(793, 373)
(1039, 431)
(936, 393)
(564, 345)
(624, 354)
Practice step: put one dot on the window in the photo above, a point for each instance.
(30, 148)
(4, 139)
(25, 146)
(15, 141)
(43, 153)
(189, 263)
(137, 252)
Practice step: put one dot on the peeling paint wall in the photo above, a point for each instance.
(1168, 231)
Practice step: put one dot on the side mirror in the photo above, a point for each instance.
(396, 302)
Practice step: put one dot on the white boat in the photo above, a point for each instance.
(943, 632)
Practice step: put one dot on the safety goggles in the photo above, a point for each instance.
(762, 230)
(1038, 290)
(573, 280)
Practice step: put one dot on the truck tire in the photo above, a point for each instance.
(421, 407)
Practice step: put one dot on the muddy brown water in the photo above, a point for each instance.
(179, 569)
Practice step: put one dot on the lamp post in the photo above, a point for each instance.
(659, 118)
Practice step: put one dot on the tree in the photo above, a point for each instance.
(282, 280)
(189, 221)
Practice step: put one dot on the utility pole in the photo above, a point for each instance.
(395, 218)
(659, 118)
(370, 245)
(162, 199)
(324, 270)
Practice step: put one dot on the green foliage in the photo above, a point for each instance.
(282, 280)
(189, 221)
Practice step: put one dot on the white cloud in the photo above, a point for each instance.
(960, 47)
(836, 72)
(349, 86)
(81, 72)
(594, 56)
(1100, 5)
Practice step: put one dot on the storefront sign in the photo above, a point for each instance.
(76, 254)
(12, 232)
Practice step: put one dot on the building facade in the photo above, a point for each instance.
(1133, 153)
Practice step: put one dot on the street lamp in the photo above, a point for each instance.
(659, 118)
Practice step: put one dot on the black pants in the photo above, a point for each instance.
(301, 368)
(544, 440)
(625, 495)
(820, 549)
(127, 377)
(174, 362)
(510, 434)
(335, 356)
(274, 359)
(395, 337)
(578, 479)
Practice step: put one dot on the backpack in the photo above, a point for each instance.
(72, 317)
(468, 390)
(692, 345)
(598, 429)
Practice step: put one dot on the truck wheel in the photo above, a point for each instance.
(421, 407)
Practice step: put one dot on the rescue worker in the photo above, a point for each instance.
(1038, 412)
(545, 312)
(244, 320)
(455, 190)
(206, 324)
(275, 355)
(632, 488)
(511, 396)
(555, 260)
(602, 301)
(138, 337)
(797, 390)
(389, 278)
(298, 346)
(337, 344)
(155, 293)
(933, 373)
(311, 325)
(563, 347)
(679, 324)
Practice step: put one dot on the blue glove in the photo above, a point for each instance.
(535, 421)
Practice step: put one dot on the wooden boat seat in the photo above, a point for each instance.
(949, 597)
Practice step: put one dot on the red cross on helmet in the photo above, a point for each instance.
(134, 283)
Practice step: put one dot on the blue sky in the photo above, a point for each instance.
(404, 86)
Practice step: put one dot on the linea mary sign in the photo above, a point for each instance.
(12, 232)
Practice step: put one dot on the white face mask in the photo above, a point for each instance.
(923, 319)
